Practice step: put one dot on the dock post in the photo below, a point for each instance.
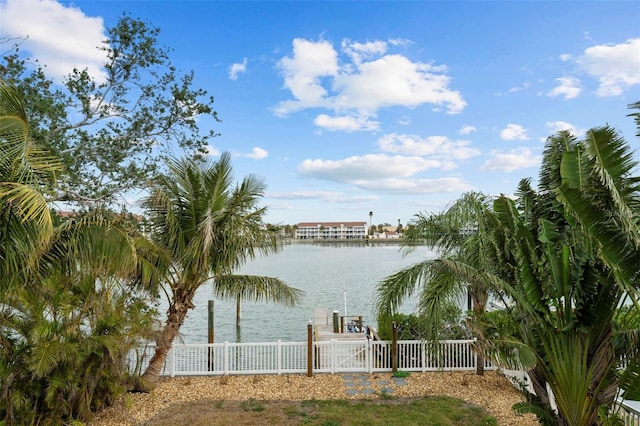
(394, 347)
(335, 321)
(309, 349)
(211, 337)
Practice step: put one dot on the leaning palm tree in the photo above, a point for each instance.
(208, 228)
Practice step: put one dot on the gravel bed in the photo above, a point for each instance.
(491, 391)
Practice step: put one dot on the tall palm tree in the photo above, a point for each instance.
(457, 234)
(564, 258)
(209, 228)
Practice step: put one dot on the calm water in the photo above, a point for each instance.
(323, 272)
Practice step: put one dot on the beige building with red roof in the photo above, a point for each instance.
(331, 231)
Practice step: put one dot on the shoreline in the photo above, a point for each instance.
(346, 242)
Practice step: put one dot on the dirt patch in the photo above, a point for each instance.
(188, 400)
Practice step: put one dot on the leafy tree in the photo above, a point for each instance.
(112, 132)
(69, 309)
(208, 228)
(564, 258)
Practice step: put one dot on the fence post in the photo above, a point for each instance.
(309, 349)
(279, 355)
(333, 355)
(172, 361)
(210, 337)
(394, 347)
(226, 357)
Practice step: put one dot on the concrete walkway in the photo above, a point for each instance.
(370, 384)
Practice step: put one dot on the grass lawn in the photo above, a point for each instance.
(386, 410)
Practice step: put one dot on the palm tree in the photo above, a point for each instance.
(458, 235)
(26, 170)
(209, 229)
(564, 258)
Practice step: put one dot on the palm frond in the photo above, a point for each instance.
(256, 289)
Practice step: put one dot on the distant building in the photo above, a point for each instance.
(331, 231)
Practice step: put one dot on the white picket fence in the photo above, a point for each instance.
(335, 356)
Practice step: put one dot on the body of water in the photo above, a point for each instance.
(323, 271)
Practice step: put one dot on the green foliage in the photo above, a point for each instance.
(563, 258)
(72, 302)
(114, 131)
(412, 326)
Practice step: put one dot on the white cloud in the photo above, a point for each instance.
(467, 129)
(569, 87)
(331, 196)
(405, 120)
(360, 51)
(617, 67)
(211, 151)
(394, 80)
(515, 89)
(509, 161)
(557, 126)
(302, 73)
(62, 38)
(237, 68)
(416, 186)
(514, 132)
(371, 166)
(433, 146)
(345, 123)
(365, 79)
(400, 41)
(257, 153)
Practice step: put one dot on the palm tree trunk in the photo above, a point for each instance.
(238, 311)
(176, 314)
(479, 297)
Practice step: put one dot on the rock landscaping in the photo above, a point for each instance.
(491, 391)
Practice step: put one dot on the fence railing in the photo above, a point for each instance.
(630, 416)
(333, 356)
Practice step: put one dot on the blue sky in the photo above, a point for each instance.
(391, 107)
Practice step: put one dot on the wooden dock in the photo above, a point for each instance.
(323, 327)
